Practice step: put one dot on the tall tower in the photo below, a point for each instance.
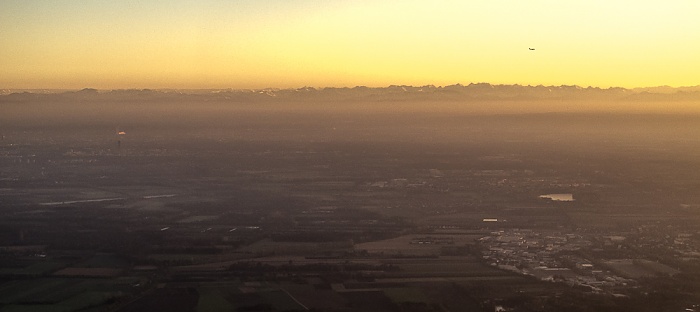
(120, 134)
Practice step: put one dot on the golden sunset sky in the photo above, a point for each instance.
(293, 43)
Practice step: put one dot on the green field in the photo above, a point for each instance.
(103, 261)
(60, 294)
(406, 294)
(212, 300)
(34, 269)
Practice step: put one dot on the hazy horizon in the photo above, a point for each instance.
(321, 87)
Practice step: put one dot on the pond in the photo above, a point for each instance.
(559, 197)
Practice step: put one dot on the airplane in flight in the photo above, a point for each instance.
(531, 49)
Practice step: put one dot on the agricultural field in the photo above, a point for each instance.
(417, 244)
(220, 296)
(638, 268)
(62, 294)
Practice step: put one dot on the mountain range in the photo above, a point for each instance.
(457, 92)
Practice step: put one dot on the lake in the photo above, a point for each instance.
(559, 197)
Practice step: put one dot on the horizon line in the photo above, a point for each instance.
(345, 87)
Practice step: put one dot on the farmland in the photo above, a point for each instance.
(339, 210)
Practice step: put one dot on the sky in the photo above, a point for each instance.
(205, 44)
